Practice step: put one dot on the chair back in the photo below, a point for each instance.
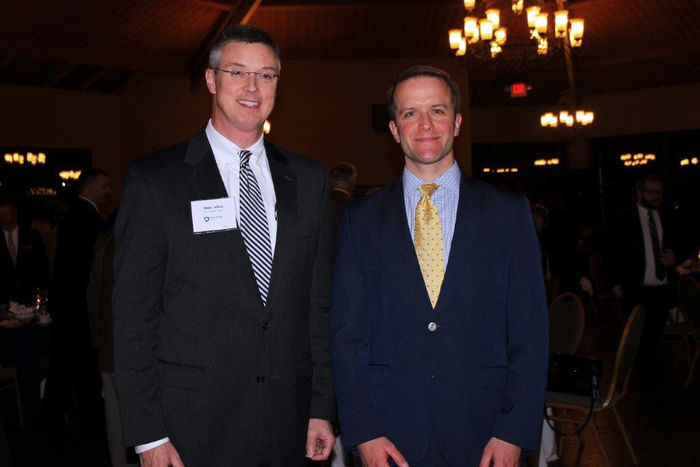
(626, 354)
(566, 322)
(689, 302)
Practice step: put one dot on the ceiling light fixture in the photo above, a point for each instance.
(488, 32)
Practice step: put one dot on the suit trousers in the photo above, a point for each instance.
(656, 301)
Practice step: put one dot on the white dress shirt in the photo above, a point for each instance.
(229, 163)
(650, 278)
(445, 198)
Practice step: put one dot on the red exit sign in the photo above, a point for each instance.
(518, 89)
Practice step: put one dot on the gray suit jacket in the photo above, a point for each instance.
(198, 357)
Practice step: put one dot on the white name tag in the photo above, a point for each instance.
(213, 215)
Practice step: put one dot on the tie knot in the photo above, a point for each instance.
(245, 156)
(428, 189)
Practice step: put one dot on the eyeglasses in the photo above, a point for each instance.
(239, 75)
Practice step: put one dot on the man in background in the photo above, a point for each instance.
(644, 248)
(73, 369)
(343, 177)
(23, 263)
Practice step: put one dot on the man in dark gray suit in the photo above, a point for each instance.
(222, 271)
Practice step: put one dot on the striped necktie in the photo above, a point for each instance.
(253, 225)
(429, 243)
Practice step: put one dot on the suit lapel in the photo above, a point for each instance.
(207, 183)
(398, 240)
(205, 176)
(284, 181)
(468, 217)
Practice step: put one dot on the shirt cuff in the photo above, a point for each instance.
(145, 447)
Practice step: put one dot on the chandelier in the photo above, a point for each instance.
(567, 115)
(488, 33)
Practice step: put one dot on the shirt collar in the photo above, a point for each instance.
(12, 232)
(449, 180)
(643, 210)
(226, 151)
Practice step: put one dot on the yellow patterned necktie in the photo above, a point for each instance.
(428, 242)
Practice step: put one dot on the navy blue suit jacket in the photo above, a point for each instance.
(482, 372)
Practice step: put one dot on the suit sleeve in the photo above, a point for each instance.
(350, 343)
(322, 396)
(139, 267)
(528, 338)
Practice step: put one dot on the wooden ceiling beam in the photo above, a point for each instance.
(241, 14)
(223, 5)
(94, 77)
(67, 68)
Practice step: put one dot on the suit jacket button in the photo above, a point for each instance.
(260, 379)
(432, 326)
(266, 325)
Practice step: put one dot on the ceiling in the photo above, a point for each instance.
(104, 45)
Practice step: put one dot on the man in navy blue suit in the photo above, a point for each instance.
(439, 322)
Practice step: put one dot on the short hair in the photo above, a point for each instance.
(88, 176)
(646, 178)
(342, 172)
(423, 71)
(241, 33)
(9, 202)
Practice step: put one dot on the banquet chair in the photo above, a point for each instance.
(689, 305)
(575, 408)
(8, 380)
(566, 322)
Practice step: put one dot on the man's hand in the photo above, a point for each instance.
(319, 439)
(501, 453)
(375, 453)
(164, 455)
(667, 258)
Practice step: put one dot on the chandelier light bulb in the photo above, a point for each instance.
(532, 13)
(494, 15)
(561, 22)
(471, 29)
(541, 24)
(462, 50)
(486, 29)
(469, 4)
(542, 46)
(518, 6)
(500, 35)
(576, 32)
(455, 38)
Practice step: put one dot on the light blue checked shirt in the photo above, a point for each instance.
(446, 199)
